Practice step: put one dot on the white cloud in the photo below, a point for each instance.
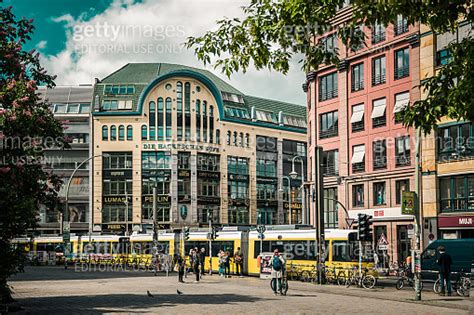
(41, 45)
(154, 31)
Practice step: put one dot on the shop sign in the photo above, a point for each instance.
(158, 173)
(116, 199)
(211, 175)
(408, 202)
(263, 180)
(179, 146)
(456, 221)
(184, 198)
(294, 206)
(117, 173)
(184, 173)
(208, 200)
(115, 227)
(239, 178)
(267, 203)
(160, 199)
(238, 202)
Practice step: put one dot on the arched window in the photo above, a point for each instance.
(179, 96)
(235, 137)
(161, 124)
(218, 136)
(144, 133)
(187, 111)
(129, 132)
(105, 133)
(113, 133)
(168, 118)
(241, 139)
(211, 124)
(229, 135)
(211, 111)
(121, 132)
(247, 140)
(152, 119)
(198, 120)
(204, 121)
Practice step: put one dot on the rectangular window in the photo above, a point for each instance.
(330, 163)
(402, 63)
(329, 43)
(156, 160)
(358, 195)
(380, 154)
(358, 158)
(378, 33)
(401, 102)
(402, 151)
(401, 25)
(237, 165)
(400, 186)
(357, 118)
(379, 194)
(328, 86)
(330, 208)
(184, 161)
(357, 77)
(208, 162)
(378, 70)
(443, 54)
(455, 141)
(116, 160)
(378, 116)
(457, 193)
(328, 125)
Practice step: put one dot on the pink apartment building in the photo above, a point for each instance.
(368, 157)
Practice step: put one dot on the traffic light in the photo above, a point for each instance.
(364, 223)
(186, 233)
(215, 229)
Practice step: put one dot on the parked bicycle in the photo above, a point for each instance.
(363, 279)
(461, 284)
(405, 276)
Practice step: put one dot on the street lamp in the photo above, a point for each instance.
(294, 175)
(289, 195)
(66, 222)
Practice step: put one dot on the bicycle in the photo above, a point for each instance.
(461, 285)
(284, 282)
(405, 276)
(365, 280)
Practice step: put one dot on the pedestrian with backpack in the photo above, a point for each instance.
(277, 264)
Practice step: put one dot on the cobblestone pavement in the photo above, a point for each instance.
(55, 290)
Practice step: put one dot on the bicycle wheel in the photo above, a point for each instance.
(305, 276)
(437, 287)
(284, 286)
(349, 279)
(399, 284)
(463, 287)
(271, 285)
(341, 278)
(368, 281)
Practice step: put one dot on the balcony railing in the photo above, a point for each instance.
(379, 121)
(378, 79)
(326, 95)
(358, 167)
(330, 170)
(380, 162)
(400, 27)
(402, 72)
(378, 37)
(402, 160)
(463, 204)
(328, 133)
(357, 85)
(460, 152)
(358, 126)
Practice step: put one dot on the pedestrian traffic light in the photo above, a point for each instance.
(364, 223)
(186, 233)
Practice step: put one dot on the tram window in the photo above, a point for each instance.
(296, 250)
(342, 251)
(195, 244)
(96, 248)
(146, 248)
(46, 247)
(216, 247)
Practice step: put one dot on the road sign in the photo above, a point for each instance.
(350, 221)
(261, 229)
(382, 244)
(408, 202)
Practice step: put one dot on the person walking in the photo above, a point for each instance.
(444, 262)
(181, 265)
(239, 262)
(202, 260)
(277, 264)
(195, 265)
(221, 262)
(227, 264)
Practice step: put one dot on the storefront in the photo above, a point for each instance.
(456, 226)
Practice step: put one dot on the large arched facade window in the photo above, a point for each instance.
(187, 111)
(152, 120)
(129, 133)
(169, 125)
(105, 133)
(179, 110)
(161, 124)
(198, 120)
(144, 132)
(204, 121)
(211, 124)
(121, 132)
(218, 136)
(113, 133)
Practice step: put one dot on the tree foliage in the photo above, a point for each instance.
(273, 32)
(27, 127)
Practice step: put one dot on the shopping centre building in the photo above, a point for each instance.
(211, 152)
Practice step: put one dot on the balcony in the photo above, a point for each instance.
(450, 154)
(380, 162)
(463, 204)
(326, 95)
(402, 72)
(358, 167)
(328, 133)
(378, 37)
(402, 160)
(357, 85)
(378, 79)
(379, 121)
(358, 126)
(401, 27)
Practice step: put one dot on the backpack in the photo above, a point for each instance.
(276, 263)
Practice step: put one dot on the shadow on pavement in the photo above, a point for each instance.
(125, 302)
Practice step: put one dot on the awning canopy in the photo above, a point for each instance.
(357, 113)
(359, 154)
(379, 108)
(401, 101)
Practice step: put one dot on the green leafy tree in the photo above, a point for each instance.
(27, 127)
(273, 32)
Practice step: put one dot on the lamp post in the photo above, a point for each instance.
(294, 175)
(66, 223)
(289, 196)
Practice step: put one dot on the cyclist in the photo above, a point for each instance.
(277, 264)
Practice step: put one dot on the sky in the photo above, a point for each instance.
(87, 39)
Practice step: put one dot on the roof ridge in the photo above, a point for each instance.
(120, 69)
